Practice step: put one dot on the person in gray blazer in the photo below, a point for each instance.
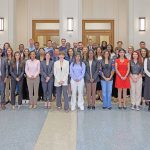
(17, 69)
(91, 78)
(47, 79)
(3, 78)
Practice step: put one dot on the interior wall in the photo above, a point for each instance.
(108, 10)
(138, 9)
(28, 10)
(7, 12)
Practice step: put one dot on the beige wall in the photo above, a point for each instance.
(139, 8)
(7, 11)
(26, 10)
(109, 9)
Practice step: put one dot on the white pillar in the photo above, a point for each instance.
(70, 8)
(131, 22)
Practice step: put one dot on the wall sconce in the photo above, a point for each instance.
(142, 24)
(70, 24)
(1, 24)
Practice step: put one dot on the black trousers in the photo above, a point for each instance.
(25, 89)
(13, 89)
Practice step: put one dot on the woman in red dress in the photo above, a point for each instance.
(122, 66)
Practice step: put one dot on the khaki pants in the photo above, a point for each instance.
(91, 93)
(136, 92)
(7, 89)
(33, 87)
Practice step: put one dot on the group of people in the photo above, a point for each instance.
(43, 73)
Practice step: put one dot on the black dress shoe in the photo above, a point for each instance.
(93, 107)
(125, 108)
(110, 108)
(104, 107)
(148, 108)
(119, 107)
(89, 107)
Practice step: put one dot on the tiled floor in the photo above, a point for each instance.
(80, 130)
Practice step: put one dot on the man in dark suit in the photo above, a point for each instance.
(37, 50)
(3, 78)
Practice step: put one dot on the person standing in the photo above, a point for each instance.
(3, 79)
(32, 70)
(17, 75)
(122, 67)
(91, 78)
(98, 86)
(61, 73)
(9, 56)
(147, 80)
(49, 48)
(47, 79)
(107, 69)
(136, 72)
(77, 73)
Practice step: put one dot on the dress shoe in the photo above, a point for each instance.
(13, 107)
(35, 106)
(89, 107)
(124, 107)
(119, 107)
(93, 107)
(104, 107)
(31, 106)
(3, 107)
(19, 106)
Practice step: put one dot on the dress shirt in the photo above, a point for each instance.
(77, 71)
(32, 68)
(136, 68)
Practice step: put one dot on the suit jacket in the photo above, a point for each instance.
(13, 70)
(47, 73)
(94, 70)
(61, 75)
(4, 68)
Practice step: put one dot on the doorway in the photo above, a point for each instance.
(98, 31)
(44, 30)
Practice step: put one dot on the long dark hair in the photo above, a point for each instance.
(121, 49)
(102, 45)
(112, 50)
(14, 59)
(96, 51)
(49, 55)
(72, 51)
(91, 50)
(103, 55)
(11, 52)
(74, 62)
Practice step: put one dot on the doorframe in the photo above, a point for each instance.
(34, 31)
(97, 21)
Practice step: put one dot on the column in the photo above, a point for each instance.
(70, 8)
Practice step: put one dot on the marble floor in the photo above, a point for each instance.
(41, 129)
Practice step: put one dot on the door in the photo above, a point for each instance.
(98, 31)
(44, 30)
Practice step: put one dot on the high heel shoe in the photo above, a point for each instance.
(89, 107)
(49, 105)
(46, 105)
